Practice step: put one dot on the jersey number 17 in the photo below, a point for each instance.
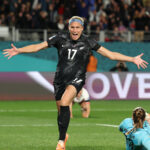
(71, 53)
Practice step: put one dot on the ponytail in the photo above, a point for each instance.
(138, 119)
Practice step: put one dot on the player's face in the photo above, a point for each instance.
(75, 30)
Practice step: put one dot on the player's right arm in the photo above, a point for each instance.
(27, 49)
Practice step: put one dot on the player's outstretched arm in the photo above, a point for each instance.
(140, 62)
(27, 49)
(117, 56)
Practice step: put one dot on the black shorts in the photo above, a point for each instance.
(60, 87)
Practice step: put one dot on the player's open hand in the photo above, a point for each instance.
(140, 62)
(10, 52)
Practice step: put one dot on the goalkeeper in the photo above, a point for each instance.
(136, 130)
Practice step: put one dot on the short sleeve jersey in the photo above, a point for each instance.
(73, 56)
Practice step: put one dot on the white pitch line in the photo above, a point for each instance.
(28, 110)
(11, 125)
(21, 125)
(108, 125)
(51, 125)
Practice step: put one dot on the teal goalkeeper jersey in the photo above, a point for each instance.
(136, 140)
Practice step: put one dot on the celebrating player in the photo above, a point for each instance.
(83, 100)
(74, 49)
(136, 130)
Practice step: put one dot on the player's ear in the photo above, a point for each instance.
(82, 28)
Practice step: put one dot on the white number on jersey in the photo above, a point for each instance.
(71, 53)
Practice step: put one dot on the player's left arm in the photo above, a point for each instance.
(118, 56)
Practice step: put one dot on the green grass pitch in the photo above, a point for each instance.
(31, 125)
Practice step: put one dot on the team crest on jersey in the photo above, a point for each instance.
(81, 48)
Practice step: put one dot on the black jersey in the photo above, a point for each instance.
(73, 56)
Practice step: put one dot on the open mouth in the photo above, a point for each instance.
(74, 34)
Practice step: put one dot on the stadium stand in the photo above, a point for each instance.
(4, 32)
(116, 21)
(115, 15)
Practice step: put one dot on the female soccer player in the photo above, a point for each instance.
(136, 130)
(74, 49)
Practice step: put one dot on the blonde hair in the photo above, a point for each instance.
(81, 20)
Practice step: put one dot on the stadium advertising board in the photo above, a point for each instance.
(119, 85)
(101, 86)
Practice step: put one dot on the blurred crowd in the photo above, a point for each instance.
(114, 15)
